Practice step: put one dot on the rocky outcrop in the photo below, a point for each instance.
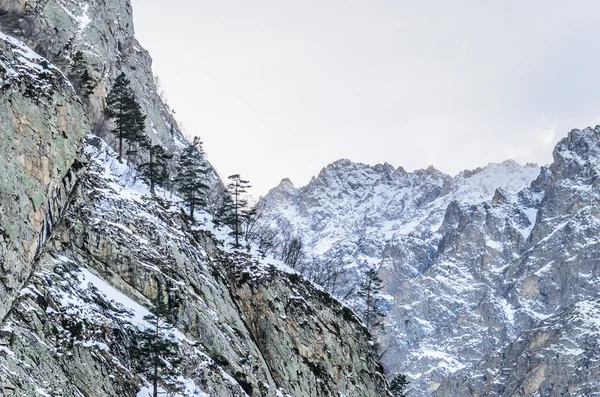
(488, 285)
(84, 246)
(557, 357)
(247, 328)
(303, 333)
(41, 124)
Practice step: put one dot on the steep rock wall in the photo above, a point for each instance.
(41, 124)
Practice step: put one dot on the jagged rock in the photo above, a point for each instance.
(84, 247)
(557, 357)
(441, 251)
(486, 300)
(41, 124)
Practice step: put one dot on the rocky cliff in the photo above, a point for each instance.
(432, 239)
(550, 287)
(477, 267)
(85, 247)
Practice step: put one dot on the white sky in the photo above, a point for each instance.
(281, 88)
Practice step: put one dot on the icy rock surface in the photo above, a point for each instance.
(472, 262)
(479, 266)
(84, 247)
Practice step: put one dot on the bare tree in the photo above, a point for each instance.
(291, 250)
(260, 232)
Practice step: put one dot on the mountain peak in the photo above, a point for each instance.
(579, 151)
(286, 183)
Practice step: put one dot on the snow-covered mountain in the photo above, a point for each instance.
(85, 247)
(348, 200)
(550, 287)
(352, 214)
(471, 263)
(491, 276)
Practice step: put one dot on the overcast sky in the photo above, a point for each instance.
(281, 88)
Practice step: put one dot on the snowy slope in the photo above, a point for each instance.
(478, 266)
(352, 214)
(115, 247)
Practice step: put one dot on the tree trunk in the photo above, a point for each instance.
(120, 126)
(192, 199)
(155, 383)
(237, 243)
(368, 316)
(120, 147)
(151, 174)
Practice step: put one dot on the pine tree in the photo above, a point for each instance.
(191, 176)
(369, 290)
(130, 122)
(235, 210)
(155, 350)
(80, 76)
(156, 170)
(399, 386)
(136, 125)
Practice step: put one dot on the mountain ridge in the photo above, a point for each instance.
(85, 247)
(430, 169)
(456, 254)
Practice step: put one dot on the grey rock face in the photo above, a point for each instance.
(84, 247)
(441, 251)
(557, 357)
(247, 328)
(498, 296)
(300, 335)
(41, 124)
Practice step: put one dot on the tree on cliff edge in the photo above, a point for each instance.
(125, 110)
(399, 386)
(369, 290)
(235, 210)
(155, 349)
(156, 171)
(191, 176)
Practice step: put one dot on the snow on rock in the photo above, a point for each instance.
(352, 214)
(557, 357)
(472, 261)
(117, 245)
(20, 65)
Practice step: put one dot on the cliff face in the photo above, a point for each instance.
(493, 290)
(551, 287)
(103, 32)
(41, 124)
(246, 327)
(84, 247)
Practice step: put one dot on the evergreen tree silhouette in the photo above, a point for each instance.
(191, 176)
(155, 349)
(130, 122)
(156, 170)
(235, 210)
